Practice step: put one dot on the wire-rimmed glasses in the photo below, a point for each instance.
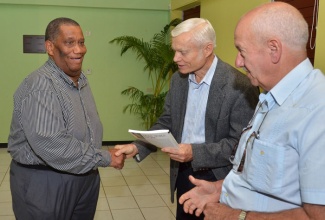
(252, 136)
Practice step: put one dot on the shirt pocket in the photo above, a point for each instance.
(265, 170)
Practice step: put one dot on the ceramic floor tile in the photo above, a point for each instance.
(122, 192)
(9, 217)
(130, 163)
(5, 161)
(103, 215)
(102, 204)
(160, 156)
(7, 176)
(5, 196)
(157, 213)
(132, 172)
(168, 202)
(127, 214)
(149, 201)
(167, 170)
(4, 168)
(173, 210)
(117, 191)
(5, 186)
(137, 180)
(109, 172)
(149, 164)
(141, 190)
(164, 163)
(6, 209)
(163, 188)
(113, 181)
(153, 171)
(101, 192)
(159, 179)
(2, 176)
(127, 202)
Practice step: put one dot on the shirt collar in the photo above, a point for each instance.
(208, 76)
(285, 87)
(82, 79)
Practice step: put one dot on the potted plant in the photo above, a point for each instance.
(158, 56)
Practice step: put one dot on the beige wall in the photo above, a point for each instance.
(320, 38)
(224, 14)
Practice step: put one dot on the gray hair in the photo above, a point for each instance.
(283, 21)
(202, 30)
(53, 28)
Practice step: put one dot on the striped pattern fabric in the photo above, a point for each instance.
(55, 123)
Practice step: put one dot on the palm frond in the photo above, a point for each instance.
(158, 57)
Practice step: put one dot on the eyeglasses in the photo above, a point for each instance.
(254, 134)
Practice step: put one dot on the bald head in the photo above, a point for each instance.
(277, 20)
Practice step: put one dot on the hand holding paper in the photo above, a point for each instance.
(159, 138)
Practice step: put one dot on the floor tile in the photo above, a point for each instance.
(128, 214)
(149, 164)
(109, 172)
(117, 191)
(103, 215)
(127, 202)
(137, 180)
(113, 181)
(159, 179)
(140, 191)
(132, 172)
(153, 171)
(102, 204)
(149, 201)
(5, 209)
(157, 213)
(8, 217)
(162, 188)
(5, 196)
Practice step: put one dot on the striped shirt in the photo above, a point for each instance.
(55, 123)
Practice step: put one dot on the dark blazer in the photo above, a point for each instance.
(231, 103)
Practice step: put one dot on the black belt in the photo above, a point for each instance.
(44, 167)
(34, 166)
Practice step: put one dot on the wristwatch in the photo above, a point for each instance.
(242, 215)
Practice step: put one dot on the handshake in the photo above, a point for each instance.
(119, 153)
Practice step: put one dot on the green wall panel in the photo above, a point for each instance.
(110, 73)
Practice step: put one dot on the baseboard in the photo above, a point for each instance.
(104, 143)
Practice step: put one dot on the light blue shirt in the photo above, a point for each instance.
(194, 122)
(284, 166)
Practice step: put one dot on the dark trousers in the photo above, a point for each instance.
(183, 185)
(39, 193)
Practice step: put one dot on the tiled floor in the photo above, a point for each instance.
(140, 191)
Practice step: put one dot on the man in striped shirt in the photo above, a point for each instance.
(56, 134)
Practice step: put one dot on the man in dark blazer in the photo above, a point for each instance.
(208, 104)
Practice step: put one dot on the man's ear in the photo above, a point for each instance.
(49, 46)
(208, 49)
(275, 48)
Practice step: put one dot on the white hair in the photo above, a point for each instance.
(202, 30)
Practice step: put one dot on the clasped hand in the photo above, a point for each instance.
(116, 161)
